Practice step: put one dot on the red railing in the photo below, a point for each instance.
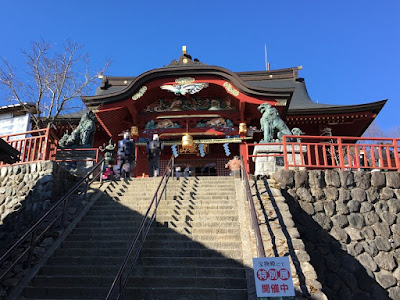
(35, 145)
(334, 152)
(39, 145)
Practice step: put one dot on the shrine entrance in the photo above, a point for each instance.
(212, 164)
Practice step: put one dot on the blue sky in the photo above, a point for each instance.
(349, 50)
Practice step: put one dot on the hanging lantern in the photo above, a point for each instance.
(242, 128)
(134, 131)
(187, 141)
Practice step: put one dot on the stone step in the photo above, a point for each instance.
(154, 236)
(175, 223)
(235, 293)
(136, 206)
(177, 189)
(195, 218)
(163, 216)
(165, 279)
(208, 197)
(165, 293)
(162, 230)
(168, 244)
(127, 205)
(67, 275)
(153, 252)
(60, 261)
(198, 211)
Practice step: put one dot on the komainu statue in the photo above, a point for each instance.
(82, 135)
(271, 123)
(297, 131)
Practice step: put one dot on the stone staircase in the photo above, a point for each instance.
(193, 252)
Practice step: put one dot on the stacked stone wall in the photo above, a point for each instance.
(26, 192)
(350, 224)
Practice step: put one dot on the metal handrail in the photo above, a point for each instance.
(119, 281)
(32, 234)
(253, 215)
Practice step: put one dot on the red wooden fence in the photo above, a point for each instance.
(35, 145)
(335, 152)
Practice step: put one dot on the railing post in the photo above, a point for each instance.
(285, 159)
(46, 144)
(341, 158)
(396, 153)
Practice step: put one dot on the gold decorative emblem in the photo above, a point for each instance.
(184, 80)
(140, 93)
(193, 150)
(230, 89)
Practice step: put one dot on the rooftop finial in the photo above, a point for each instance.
(184, 50)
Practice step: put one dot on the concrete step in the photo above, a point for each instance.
(165, 279)
(82, 261)
(188, 293)
(165, 293)
(153, 252)
(153, 236)
(171, 197)
(139, 190)
(162, 230)
(162, 216)
(189, 244)
(200, 201)
(73, 275)
(198, 211)
(134, 206)
(175, 223)
(195, 218)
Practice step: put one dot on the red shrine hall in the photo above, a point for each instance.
(214, 106)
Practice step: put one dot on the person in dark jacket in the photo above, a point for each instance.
(153, 151)
(126, 156)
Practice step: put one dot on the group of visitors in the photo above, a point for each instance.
(126, 160)
(126, 157)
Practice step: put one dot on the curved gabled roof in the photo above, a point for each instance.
(119, 88)
(274, 83)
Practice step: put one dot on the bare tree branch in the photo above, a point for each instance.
(53, 81)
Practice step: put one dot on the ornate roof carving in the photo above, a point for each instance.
(185, 60)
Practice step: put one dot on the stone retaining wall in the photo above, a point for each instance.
(26, 192)
(350, 223)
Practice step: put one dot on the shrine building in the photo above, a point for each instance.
(214, 106)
